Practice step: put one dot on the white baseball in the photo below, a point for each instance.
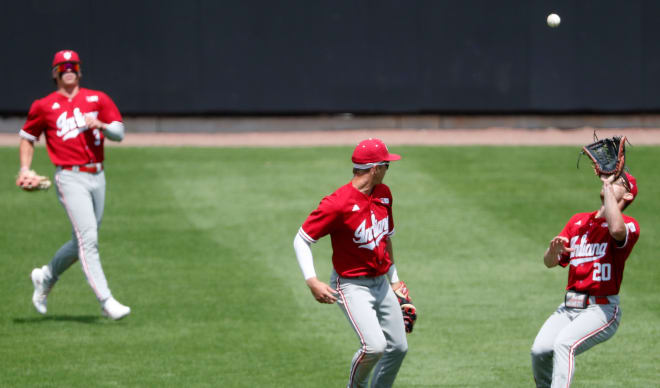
(553, 20)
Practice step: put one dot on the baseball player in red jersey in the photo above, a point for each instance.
(595, 247)
(75, 122)
(358, 218)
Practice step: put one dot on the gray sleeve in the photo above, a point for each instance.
(114, 131)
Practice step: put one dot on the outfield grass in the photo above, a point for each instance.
(198, 241)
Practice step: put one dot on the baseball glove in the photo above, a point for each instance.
(31, 181)
(608, 155)
(407, 308)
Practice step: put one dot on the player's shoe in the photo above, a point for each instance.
(114, 310)
(41, 288)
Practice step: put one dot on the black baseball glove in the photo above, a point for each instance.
(407, 308)
(608, 155)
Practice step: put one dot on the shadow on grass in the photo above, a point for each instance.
(88, 319)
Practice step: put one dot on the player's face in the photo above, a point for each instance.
(67, 74)
(380, 171)
(619, 188)
(69, 78)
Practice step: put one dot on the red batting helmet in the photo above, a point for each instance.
(65, 56)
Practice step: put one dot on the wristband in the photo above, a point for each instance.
(392, 274)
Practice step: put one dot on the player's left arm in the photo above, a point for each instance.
(612, 212)
(392, 273)
(557, 247)
(108, 120)
(400, 289)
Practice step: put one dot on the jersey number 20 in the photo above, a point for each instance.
(602, 272)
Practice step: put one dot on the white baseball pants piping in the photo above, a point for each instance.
(567, 333)
(374, 313)
(83, 197)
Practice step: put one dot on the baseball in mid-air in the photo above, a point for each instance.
(553, 20)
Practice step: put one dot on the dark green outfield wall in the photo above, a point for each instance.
(313, 56)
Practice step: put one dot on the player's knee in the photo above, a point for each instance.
(540, 351)
(71, 246)
(561, 346)
(88, 238)
(398, 352)
(376, 348)
(400, 348)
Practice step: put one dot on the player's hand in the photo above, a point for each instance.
(608, 179)
(93, 122)
(29, 180)
(408, 310)
(401, 291)
(23, 177)
(558, 246)
(322, 292)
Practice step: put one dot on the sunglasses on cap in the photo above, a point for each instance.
(63, 67)
(367, 166)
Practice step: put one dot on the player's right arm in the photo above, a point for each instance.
(25, 152)
(29, 134)
(319, 223)
(322, 292)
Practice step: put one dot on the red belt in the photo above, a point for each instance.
(599, 300)
(92, 168)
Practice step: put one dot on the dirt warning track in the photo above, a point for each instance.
(430, 137)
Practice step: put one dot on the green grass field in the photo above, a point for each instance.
(198, 241)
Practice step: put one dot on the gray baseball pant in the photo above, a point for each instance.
(567, 333)
(374, 313)
(83, 196)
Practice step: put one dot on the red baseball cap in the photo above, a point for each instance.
(372, 151)
(65, 56)
(632, 183)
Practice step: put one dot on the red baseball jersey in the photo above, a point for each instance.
(596, 264)
(62, 121)
(359, 226)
